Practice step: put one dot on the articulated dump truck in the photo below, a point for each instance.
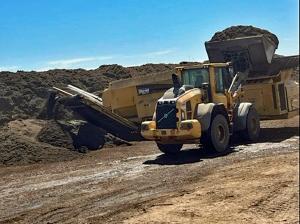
(203, 104)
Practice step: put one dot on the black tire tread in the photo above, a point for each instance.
(245, 134)
(207, 140)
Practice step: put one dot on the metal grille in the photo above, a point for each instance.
(166, 115)
(282, 97)
(274, 97)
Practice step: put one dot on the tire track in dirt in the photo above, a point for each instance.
(116, 183)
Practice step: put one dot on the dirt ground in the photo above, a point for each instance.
(256, 183)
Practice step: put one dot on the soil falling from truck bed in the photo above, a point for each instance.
(243, 31)
(19, 144)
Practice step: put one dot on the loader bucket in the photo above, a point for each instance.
(256, 51)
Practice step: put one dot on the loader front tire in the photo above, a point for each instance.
(169, 148)
(216, 139)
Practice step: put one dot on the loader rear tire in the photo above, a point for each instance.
(169, 148)
(251, 133)
(216, 139)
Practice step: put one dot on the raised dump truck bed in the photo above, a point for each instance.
(91, 108)
(107, 120)
(135, 98)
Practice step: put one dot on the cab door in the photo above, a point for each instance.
(220, 81)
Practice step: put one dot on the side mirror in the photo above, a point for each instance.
(176, 84)
(205, 85)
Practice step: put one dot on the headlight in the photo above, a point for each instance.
(148, 125)
(186, 126)
(144, 127)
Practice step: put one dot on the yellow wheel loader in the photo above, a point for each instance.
(204, 109)
(206, 104)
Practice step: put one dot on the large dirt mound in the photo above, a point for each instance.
(243, 31)
(19, 145)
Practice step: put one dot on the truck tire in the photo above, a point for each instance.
(216, 139)
(169, 148)
(251, 133)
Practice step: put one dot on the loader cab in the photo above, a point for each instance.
(196, 77)
(213, 79)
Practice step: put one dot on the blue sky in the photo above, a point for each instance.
(45, 34)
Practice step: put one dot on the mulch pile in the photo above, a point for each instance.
(243, 31)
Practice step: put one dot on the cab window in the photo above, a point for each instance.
(223, 79)
(219, 80)
(195, 77)
(227, 77)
